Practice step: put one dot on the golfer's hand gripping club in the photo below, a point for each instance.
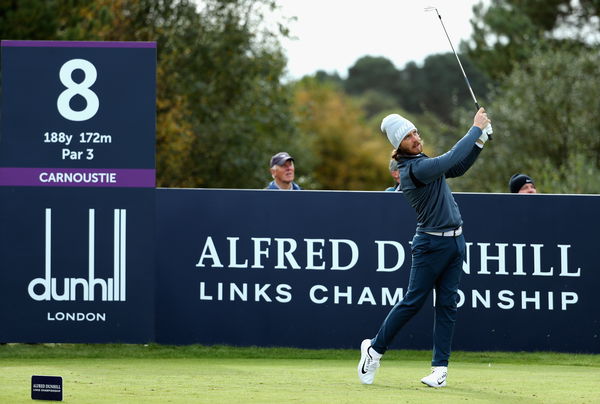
(482, 121)
(488, 131)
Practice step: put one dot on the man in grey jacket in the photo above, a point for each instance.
(438, 247)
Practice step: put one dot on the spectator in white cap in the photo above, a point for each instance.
(438, 247)
(283, 171)
(395, 173)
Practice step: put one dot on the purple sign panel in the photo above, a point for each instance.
(78, 114)
(77, 177)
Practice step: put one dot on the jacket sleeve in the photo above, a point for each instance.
(454, 160)
(459, 169)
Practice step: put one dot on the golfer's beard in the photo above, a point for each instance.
(412, 150)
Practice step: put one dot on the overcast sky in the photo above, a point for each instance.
(332, 35)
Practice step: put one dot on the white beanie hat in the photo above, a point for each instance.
(396, 128)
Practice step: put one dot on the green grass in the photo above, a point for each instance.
(199, 374)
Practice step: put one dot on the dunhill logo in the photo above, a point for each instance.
(112, 289)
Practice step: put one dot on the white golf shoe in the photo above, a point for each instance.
(369, 362)
(437, 377)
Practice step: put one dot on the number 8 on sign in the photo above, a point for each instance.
(82, 89)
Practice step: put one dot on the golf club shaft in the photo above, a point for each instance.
(459, 64)
(458, 60)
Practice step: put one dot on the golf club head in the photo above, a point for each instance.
(431, 8)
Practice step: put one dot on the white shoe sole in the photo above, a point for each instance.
(435, 386)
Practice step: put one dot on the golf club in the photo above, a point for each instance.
(488, 129)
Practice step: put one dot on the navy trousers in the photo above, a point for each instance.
(436, 264)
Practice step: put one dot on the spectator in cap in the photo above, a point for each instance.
(395, 172)
(282, 171)
(522, 184)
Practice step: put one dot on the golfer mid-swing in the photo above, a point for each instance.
(438, 247)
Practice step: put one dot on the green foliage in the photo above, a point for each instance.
(372, 73)
(324, 77)
(507, 32)
(546, 124)
(372, 102)
(438, 86)
(347, 152)
(222, 108)
(443, 87)
(38, 20)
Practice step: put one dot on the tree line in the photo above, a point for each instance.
(223, 106)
